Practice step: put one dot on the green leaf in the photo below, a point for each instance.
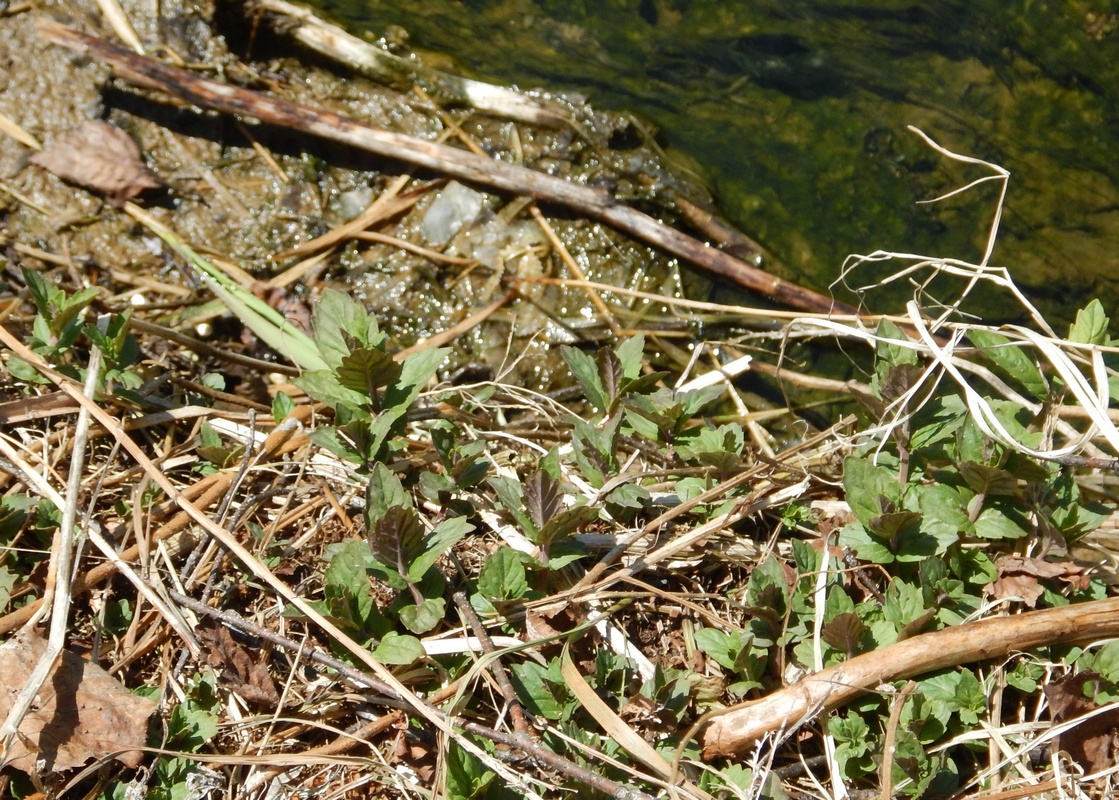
(767, 587)
(323, 385)
(866, 485)
(905, 603)
(367, 369)
(610, 375)
(985, 479)
(563, 523)
(888, 526)
(207, 436)
(502, 577)
(1016, 420)
(1106, 662)
(442, 537)
(845, 633)
(1090, 326)
(943, 511)
(866, 546)
(630, 354)
(1011, 360)
(66, 319)
(538, 693)
(510, 494)
(346, 583)
(722, 648)
(467, 776)
(595, 449)
(585, 370)
(330, 440)
(416, 371)
(994, 523)
(8, 578)
(425, 616)
(13, 514)
(269, 327)
(959, 691)
(282, 406)
(384, 491)
(338, 322)
(690, 402)
(396, 539)
(194, 722)
(543, 497)
(399, 649)
(889, 356)
(629, 495)
(42, 292)
(22, 371)
(719, 447)
(1024, 677)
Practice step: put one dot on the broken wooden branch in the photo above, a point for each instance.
(734, 731)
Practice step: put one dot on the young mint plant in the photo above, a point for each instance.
(56, 327)
(661, 415)
(612, 374)
(370, 392)
(118, 347)
(464, 465)
(538, 508)
(404, 555)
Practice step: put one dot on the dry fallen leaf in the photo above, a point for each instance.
(1018, 577)
(82, 711)
(98, 156)
(1091, 744)
(238, 670)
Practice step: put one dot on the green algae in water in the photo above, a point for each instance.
(796, 114)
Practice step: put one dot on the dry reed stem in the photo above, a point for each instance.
(574, 268)
(59, 575)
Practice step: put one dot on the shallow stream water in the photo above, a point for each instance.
(795, 114)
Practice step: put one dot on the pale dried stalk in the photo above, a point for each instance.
(61, 568)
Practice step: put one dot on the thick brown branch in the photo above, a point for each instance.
(460, 164)
(734, 731)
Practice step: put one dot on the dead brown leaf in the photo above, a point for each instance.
(1019, 577)
(101, 157)
(1024, 586)
(82, 712)
(238, 670)
(1091, 744)
(417, 755)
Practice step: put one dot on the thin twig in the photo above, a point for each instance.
(516, 710)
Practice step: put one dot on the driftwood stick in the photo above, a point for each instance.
(734, 731)
(460, 164)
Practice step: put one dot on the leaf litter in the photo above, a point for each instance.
(82, 712)
(101, 157)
